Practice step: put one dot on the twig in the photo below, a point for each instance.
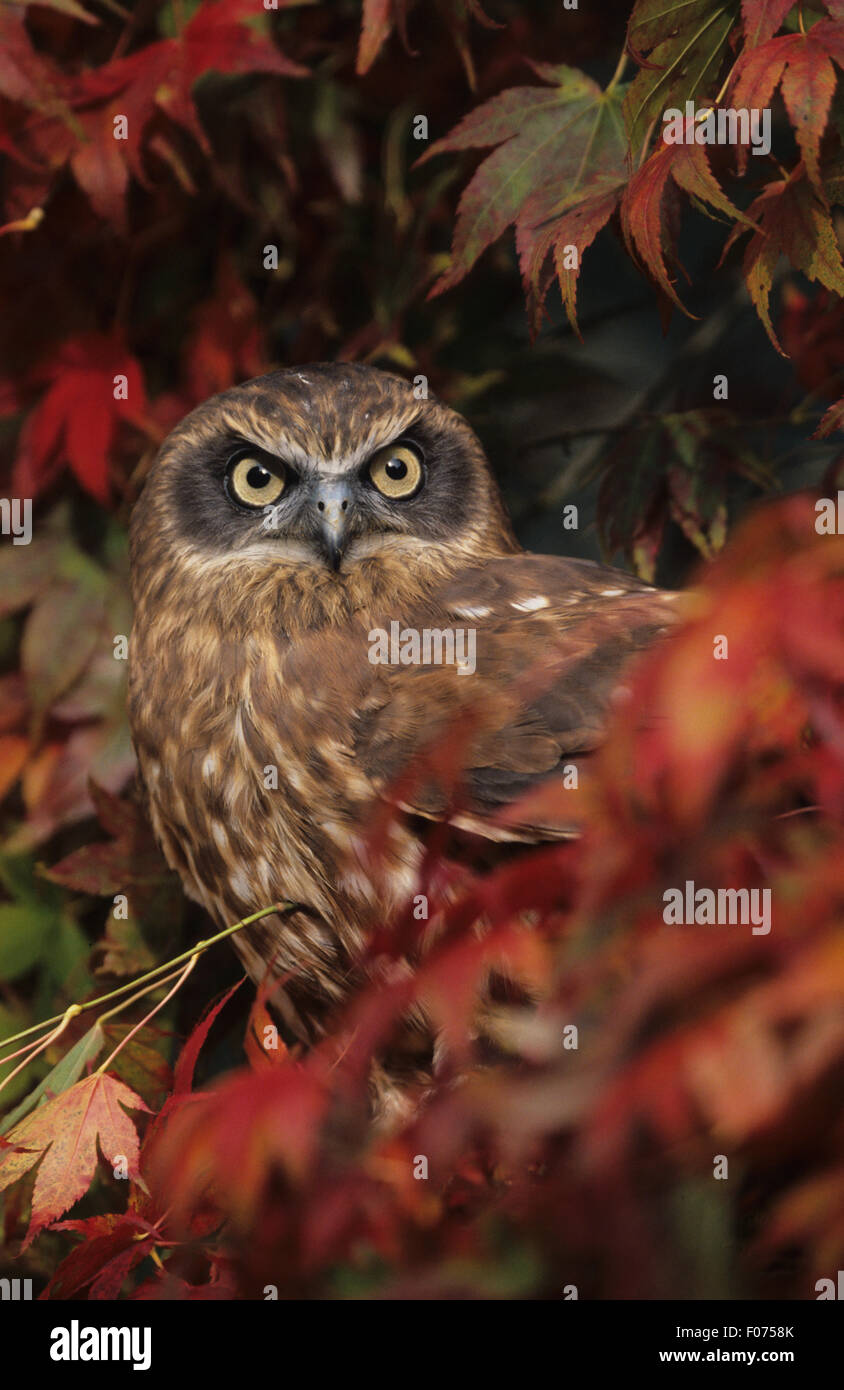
(183, 975)
(164, 969)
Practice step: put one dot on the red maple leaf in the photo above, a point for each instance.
(762, 18)
(642, 207)
(802, 64)
(226, 342)
(74, 117)
(812, 333)
(77, 419)
(113, 1244)
(162, 74)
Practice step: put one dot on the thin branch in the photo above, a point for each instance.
(164, 969)
(33, 1049)
(619, 71)
(183, 975)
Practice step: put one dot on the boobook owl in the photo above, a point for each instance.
(324, 577)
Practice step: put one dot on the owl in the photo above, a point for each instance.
(325, 581)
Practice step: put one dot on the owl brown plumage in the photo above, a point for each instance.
(284, 525)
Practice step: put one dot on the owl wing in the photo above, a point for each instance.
(552, 637)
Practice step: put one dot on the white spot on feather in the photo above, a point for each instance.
(530, 605)
(469, 610)
(294, 778)
(240, 885)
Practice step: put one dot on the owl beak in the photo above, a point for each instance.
(334, 504)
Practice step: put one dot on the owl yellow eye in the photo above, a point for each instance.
(253, 484)
(396, 471)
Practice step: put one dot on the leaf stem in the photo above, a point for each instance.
(34, 1048)
(725, 84)
(619, 71)
(164, 969)
(183, 975)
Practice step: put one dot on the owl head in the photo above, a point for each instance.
(330, 467)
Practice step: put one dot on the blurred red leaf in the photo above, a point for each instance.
(77, 419)
(376, 25)
(131, 857)
(25, 75)
(234, 1137)
(812, 333)
(14, 751)
(225, 344)
(833, 420)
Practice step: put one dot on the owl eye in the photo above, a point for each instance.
(252, 483)
(396, 470)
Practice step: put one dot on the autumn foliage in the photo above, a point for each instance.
(146, 1154)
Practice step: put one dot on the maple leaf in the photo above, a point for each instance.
(567, 236)
(77, 419)
(376, 24)
(189, 1055)
(794, 222)
(762, 18)
(130, 859)
(25, 75)
(113, 1244)
(182, 1094)
(225, 344)
(66, 1132)
(218, 38)
(456, 15)
(234, 1137)
(678, 468)
(380, 16)
(642, 205)
(63, 1075)
(802, 64)
(812, 333)
(833, 420)
(222, 36)
(680, 45)
(558, 147)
